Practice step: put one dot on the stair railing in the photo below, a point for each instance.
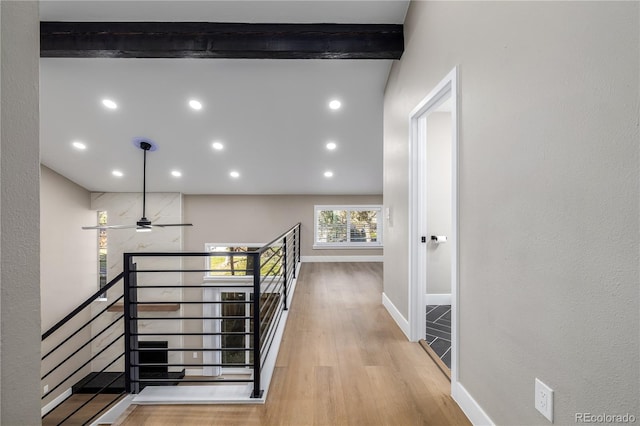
(67, 348)
(270, 271)
(71, 347)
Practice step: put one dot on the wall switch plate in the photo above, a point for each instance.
(45, 389)
(195, 355)
(544, 399)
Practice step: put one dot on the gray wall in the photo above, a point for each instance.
(261, 218)
(69, 254)
(549, 196)
(68, 273)
(19, 215)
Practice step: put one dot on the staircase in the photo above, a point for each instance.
(139, 345)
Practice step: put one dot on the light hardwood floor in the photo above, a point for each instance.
(343, 361)
(84, 414)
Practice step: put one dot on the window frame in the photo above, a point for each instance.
(348, 244)
(210, 277)
(103, 250)
(215, 326)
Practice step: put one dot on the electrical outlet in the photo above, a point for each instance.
(45, 389)
(544, 399)
(195, 355)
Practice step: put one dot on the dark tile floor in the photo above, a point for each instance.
(439, 331)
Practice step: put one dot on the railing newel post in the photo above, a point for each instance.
(298, 259)
(284, 274)
(257, 392)
(131, 369)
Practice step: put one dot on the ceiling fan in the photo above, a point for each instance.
(144, 224)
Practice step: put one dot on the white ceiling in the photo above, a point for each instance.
(272, 115)
(265, 11)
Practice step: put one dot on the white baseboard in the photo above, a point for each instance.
(112, 415)
(313, 259)
(55, 402)
(396, 315)
(437, 299)
(194, 372)
(469, 406)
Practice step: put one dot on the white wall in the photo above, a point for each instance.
(438, 194)
(19, 215)
(548, 196)
(68, 254)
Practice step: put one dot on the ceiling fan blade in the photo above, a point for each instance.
(164, 225)
(104, 227)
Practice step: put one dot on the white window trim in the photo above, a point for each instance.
(348, 245)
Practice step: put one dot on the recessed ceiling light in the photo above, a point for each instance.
(328, 174)
(176, 173)
(234, 174)
(218, 146)
(79, 145)
(117, 173)
(109, 104)
(335, 104)
(331, 146)
(195, 104)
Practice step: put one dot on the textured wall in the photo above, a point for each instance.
(548, 196)
(19, 215)
(126, 209)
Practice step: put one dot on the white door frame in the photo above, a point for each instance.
(417, 250)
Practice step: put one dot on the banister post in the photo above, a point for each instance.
(295, 251)
(299, 243)
(131, 368)
(284, 273)
(257, 392)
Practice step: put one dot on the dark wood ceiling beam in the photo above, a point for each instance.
(220, 40)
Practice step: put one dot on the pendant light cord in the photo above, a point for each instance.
(144, 183)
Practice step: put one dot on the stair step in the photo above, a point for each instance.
(214, 394)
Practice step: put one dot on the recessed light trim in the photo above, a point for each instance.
(328, 174)
(117, 173)
(79, 145)
(218, 146)
(335, 104)
(234, 174)
(176, 173)
(108, 103)
(331, 146)
(194, 104)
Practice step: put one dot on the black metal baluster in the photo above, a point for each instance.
(284, 273)
(257, 392)
(132, 371)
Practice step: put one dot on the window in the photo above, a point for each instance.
(232, 322)
(228, 265)
(347, 226)
(102, 250)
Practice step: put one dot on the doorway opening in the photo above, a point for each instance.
(433, 222)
